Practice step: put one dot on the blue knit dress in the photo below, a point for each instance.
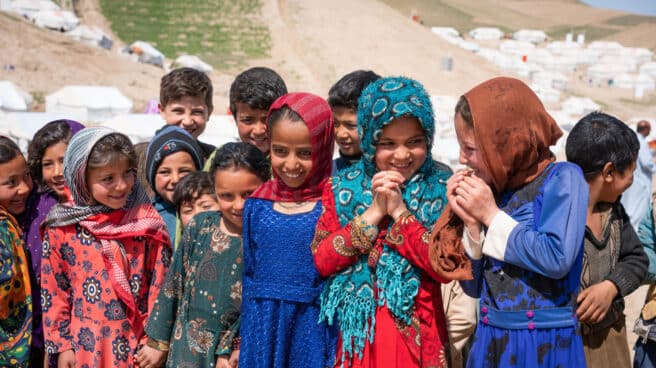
(281, 288)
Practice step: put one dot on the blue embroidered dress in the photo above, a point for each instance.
(528, 302)
(281, 288)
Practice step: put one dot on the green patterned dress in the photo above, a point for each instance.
(198, 307)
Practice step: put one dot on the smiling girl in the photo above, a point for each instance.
(15, 292)
(281, 285)
(45, 159)
(104, 256)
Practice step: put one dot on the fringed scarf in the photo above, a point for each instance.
(350, 294)
(137, 219)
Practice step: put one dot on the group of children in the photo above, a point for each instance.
(267, 253)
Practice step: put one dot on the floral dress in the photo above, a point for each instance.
(15, 296)
(81, 310)
(197, 310)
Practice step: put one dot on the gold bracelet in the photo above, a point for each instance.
(157, 345)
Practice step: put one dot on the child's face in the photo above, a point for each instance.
(616, 183)
(291, 152)
(189, 113)
(470, 155)
(173, 168)
(402, 147)
(204, 203)
(232, 187)
(52, 168)
(252, 127)
(112, 184)
(346, 133)
(15, 185)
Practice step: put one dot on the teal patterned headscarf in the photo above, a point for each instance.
(350, 294)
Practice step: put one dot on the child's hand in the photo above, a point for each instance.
(222, 361)
(389, 184)
(451, 186)
(234, 359)
(148, 357)
(476, 199)
(66, 359)
(595, 301)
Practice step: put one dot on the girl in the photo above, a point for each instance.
(104, 256)
(172, 154)
(528, 268)
(15, 291)
(281, 285)
(45, 158)
(196, 316)
(372, 237)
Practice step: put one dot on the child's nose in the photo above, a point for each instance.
(259, 129)
(59, 169)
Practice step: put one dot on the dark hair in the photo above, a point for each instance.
(54, 132)
(240, 155)
(140, 150)
(183, 82)
(192, 187)
(282, 113)
(257, 87)
(599, 138)
(109, 149)
(347, 90)
(643, 126)
(462, 108)
(8, 150)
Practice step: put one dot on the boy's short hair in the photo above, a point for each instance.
(192, 187)
(257, 87)
(347, 90)
(184, 82)
(599, 138)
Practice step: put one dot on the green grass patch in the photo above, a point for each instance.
(223, 33)
(435, 13)
(630, 20)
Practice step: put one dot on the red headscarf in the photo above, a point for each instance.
(317, 116)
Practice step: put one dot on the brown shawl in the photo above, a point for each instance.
(513, 131)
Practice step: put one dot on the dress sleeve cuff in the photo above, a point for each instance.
(473, 248)
(496, 239)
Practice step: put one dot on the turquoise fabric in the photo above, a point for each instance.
(349, 295)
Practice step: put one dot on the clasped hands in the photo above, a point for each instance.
(472, 200)
(387, 198)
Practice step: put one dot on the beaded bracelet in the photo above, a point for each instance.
(236, 343)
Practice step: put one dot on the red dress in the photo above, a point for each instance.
(423, 343)
(81, 309)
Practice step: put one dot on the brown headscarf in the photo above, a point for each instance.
(513, 131)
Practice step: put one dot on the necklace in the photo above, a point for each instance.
(291, 206)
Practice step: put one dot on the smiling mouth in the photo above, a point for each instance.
(292, 175)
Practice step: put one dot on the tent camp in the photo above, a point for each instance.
(88, 103)
(12, 98)
(486, 33)
(530, 35)
(550, 79)
(22, 126)
(634, 81)
(92, 36)
(191, 61)
(648, 69)
(546, 93)
(577, 107)
(600, 74)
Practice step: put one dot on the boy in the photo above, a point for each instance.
(251, 94)
(343, 100)
(195, 194)
(614, 263)
(185, 100)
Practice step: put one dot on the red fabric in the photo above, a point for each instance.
(423, 343)
(318, 117)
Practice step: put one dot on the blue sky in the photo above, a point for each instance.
(644, 7)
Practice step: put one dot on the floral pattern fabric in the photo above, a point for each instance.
(81, 310)
(197, 310)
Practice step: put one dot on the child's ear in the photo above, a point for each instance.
(608, 172)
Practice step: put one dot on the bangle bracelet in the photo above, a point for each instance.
(157, 345)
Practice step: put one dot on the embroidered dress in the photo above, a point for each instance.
(15, 295)
(280, 311)
(198, 307)
(528, 303)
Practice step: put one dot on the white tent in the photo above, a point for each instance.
(446, 149)
(530, 35)
(445, 31)
(648, 69)
(93, 36)
(516, 47)
(546, 93)
(146, 53)
(444, 107)
(191, 61)
(603, 73)
(559, 63)
(486, 33)
(12, 98)
(629, 63)
(550, 79)
(29, 8)
(640, 54)
(88, 103)
(60, 20)
(563, 47)
(634, 81)
(579, 106)
(22, 126)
